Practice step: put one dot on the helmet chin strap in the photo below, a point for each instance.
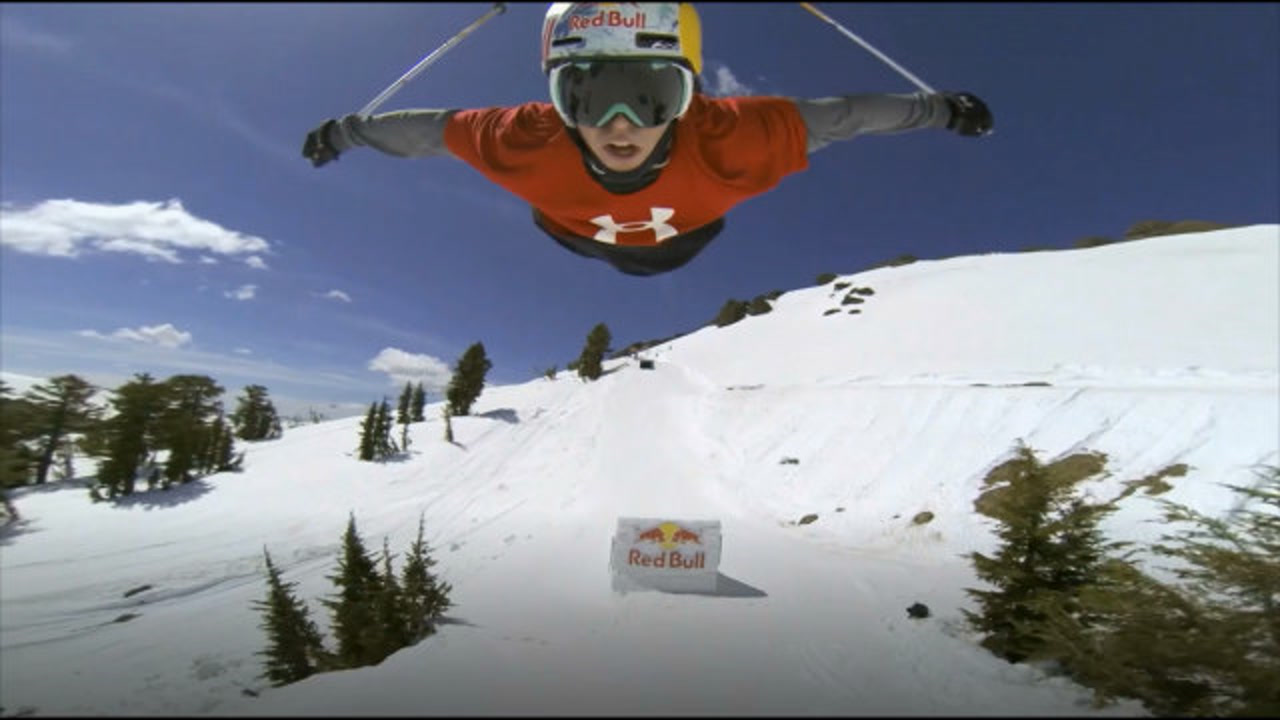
(627, 181)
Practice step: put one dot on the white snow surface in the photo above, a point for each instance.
(1155, 352)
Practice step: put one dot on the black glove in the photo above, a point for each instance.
(317, 148)
(969, 115)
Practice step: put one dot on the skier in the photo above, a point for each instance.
(630, 163)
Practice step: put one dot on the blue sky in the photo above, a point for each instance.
(159, 217)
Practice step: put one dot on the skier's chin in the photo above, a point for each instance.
(621, 158)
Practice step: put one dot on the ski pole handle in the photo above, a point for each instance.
(424, 63)
(867, 46)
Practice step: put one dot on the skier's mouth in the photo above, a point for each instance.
(621, 150)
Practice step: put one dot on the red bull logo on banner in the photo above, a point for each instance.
(657, 550)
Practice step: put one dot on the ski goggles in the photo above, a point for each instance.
(647, 92)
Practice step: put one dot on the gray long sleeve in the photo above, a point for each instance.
(420, 133)
(847, 116)
(407, 133)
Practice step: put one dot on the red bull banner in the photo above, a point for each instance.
(666, 554)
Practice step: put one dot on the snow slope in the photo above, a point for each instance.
(1155, 352)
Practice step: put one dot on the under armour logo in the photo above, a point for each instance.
(609, 228)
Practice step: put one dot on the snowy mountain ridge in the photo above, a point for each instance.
(1154, 352)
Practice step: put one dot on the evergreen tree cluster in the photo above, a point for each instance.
(376, 443)
(40, 429)
(165, 433)
(373, 612)
(181, 417)
(255, 417)
(1064, 596)
(375, 433)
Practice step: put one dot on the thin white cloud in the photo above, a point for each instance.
(337, 295)
(155, 230)
(255, 262)
(152, 253)
(724, 83)
(18, 34)
(404, 367)
(95, 356)
(244, 292)
(165, 335)
(206, 260)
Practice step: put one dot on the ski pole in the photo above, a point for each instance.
(393, 88)
(867, 46)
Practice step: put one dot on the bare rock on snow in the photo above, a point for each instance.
(918, 611)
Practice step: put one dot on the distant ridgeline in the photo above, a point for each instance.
(734, 310)
(1155, 228)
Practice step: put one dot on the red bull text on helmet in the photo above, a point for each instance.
(610, 18)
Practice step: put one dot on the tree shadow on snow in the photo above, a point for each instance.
(506, 415)
(11, 530)
(163, 498)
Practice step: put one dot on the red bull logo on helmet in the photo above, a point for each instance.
(607, 18)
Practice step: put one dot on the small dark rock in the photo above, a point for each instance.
(247, 692)
(811, 517)
(789, 461)
(922, 518)
(126, 617)
(839, 509)
(918, 610)
(646, 364)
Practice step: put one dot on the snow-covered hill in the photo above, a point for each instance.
(1155, 352)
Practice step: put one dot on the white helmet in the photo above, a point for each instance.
(622, 30)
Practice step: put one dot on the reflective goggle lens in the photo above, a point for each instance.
(647, 92)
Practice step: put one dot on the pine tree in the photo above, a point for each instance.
(295, 648)
(589, 363)
(1206, 646)
(418, 403)
(217, 450)
(17, 461)
(1232, 567)
(354, 608)
(1050, 548)
(390, 606)
(404, 415)
(60, 407)
(191, 405)
(426, 598)
(255, 417)
(383, 446)
(369, 433)
(468, 380)
(404, 411)
(1133, 637)
(131, 434)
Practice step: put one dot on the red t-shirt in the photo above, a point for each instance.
(725, 150)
